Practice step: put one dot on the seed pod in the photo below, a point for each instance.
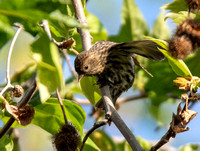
(186, 39)
(23, 115)
(193, 4)
(180, 47)
(17, 91)
(67, 139)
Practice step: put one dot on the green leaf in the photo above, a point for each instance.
(62, 22)
(2, 99)
(29, 18)
(90, 89)
(193, 61)
(49, 115)
(97, 30)
(176, 6)
(124, 146)
(103, 141)
(160, 28)
(49, 69)
(133, 25)
(160, 42)
(190, 147)
(144, 143)
(71, 88)
(6, 143)
(178, 66)
(179, 17)
(89, 145)
(6, 30)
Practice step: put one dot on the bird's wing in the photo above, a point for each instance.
(146, 48)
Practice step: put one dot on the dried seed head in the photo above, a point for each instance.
(180, 47)
(183, 83)
(67, 139)
(186, 39)
(17, 91)
(23, 115)
(189, 27)
(67, 43)
(193, 4)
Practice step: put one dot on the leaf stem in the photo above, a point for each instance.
(8, 85)
(61, 105)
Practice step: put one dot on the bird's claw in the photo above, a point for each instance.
(108, 117)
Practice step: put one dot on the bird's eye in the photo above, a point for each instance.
(86, 67)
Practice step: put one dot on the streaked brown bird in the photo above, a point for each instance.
(112, 63)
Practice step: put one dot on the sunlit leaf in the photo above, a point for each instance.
(190, 147)
(103, 141)
(90, 145)
(179, 17)
(160, 28)
(90, 89)
(144, 143)
(6, 143)
(49, 69)
(160, 42)
(178, 66)
(176, 6)
(49, 115)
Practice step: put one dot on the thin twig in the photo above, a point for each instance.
(163, 140)
(8, 85)
(131, 98)
(74, 51)
(26, 98)
(46, 28)
(61, 105)
(95, 126)
(119, 100)
(68, 62)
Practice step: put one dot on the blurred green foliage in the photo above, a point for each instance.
(62, 23)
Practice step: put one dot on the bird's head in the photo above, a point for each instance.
(88, 63)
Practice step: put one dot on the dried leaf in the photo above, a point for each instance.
(23, 115)
(187, 116)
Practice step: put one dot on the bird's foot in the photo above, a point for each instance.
(108, 117)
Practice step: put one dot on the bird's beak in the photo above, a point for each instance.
(80, 76)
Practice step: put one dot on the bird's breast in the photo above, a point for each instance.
(119, 76)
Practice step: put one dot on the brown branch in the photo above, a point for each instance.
(61, 105)
(26, 98)
(163, 140)
(95, 126)
(177, 125)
